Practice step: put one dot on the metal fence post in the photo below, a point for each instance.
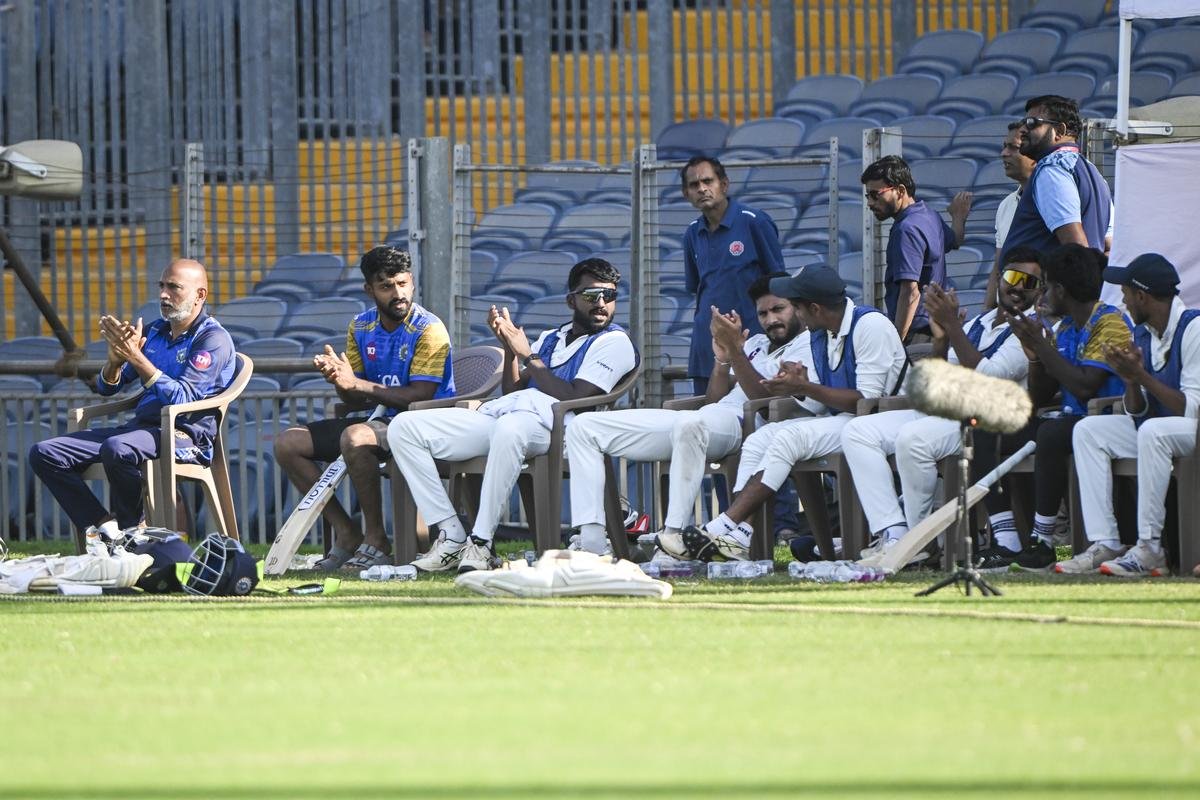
(535, 43)
(21, 98)
(783, 48)
(904, 32)
(662, 64)
(410, 69)
(644, 313)
(285, 126)
(431, 224)
(147, 147)
(193, 201)
(458, 322)
(876, 143)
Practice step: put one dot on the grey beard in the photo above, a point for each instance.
(181, 312)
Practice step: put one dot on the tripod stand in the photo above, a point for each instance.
(966, 573)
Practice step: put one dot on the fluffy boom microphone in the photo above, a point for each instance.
(942, 389)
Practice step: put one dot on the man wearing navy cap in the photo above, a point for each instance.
(856, 353)
(1161, 372)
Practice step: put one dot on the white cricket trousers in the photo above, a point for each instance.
(918, 442)
(774, 448)
(690, 439)
(418, 437)
(1098, 440)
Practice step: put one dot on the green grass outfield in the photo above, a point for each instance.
(1060, 688)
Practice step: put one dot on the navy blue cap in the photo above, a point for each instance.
(1149, 272)
(817, 283)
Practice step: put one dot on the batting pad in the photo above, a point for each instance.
(566, 573)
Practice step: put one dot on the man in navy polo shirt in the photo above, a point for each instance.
(184, 356)
(917, 244)
(725, 249)
(1066, 200)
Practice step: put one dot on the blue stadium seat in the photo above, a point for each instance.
(801, 181)
(894, 96)
(966, 266)
(483, 269)
(1145, 87)
(673, 219)
(819, 97)
(769, 137)
(682, 140)
(560, 189)
(991, 181)
(612, 188)
(1023, 51)
(281, 347)
(1186, 85)
(943, 54)
(318, 318)
(591, 226)
(1093, 51)
(974, 95)
(943, 176)
(847, 129)
(979, 138)
(925, 135)
(251, 317)
(513, 227)
(1175, 50)
(298, 277)
(1064, 16)
(1075, 85)
(537, 273)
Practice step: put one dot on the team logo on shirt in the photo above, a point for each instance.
(371, 351)
(202, 359)
(736, 248)
(180, 355)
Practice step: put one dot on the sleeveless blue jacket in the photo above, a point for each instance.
(975, 336)
(845, 375)
(570, 368)
(1173, 368)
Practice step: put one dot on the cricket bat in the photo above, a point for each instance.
(305, 514)
(912, 542)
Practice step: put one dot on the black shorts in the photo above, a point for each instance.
(327, 435)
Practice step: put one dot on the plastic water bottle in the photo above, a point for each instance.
(835, 572)
(725, 570)
(389, 572)
(677, 569)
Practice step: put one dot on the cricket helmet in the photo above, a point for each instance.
(220, 567)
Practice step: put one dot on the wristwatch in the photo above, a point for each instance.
(525, 361)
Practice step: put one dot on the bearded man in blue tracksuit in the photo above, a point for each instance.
(184, 356)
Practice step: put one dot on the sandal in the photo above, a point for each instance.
(367, 556)
(334, 560)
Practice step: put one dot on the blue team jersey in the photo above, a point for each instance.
(196, 365)
(417, 350)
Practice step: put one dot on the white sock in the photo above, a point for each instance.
(1111, 544)
(1043, 528)
(453, 528)
(593, 537)
(745, 529)
(720, 524)
(1004, 531)
(893, 532)
(667, 529)
(110, 530)
(1155, 545)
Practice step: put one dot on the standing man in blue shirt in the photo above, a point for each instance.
(396, 353)
(182, 357)
(917, 244)
(1066, 200)
(725, 250)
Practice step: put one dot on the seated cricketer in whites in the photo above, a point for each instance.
(396, 353)
(1161, 374)
(182, 357)
(856, 353)
(689, 439)
(918, 441)
(587, 356)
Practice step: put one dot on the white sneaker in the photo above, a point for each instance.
(672, 544)
(477, 554)
(1139, 561)
(874, 550)
(1089, 560)
(442, 557)
(875, 555)
(575, 545)
(734, 545)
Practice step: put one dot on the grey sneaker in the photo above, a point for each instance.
(442, 557)
(1139, 561)
(478, 554)
(1089, 560)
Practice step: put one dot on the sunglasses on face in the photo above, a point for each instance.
(1033, 122)
(875, 194)
(596, 295)
(1022, 280)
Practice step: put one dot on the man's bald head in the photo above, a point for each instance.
(182, 291)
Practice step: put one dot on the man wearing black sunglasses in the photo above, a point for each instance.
(984, 343)
(585, 357)
(1066, 200)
